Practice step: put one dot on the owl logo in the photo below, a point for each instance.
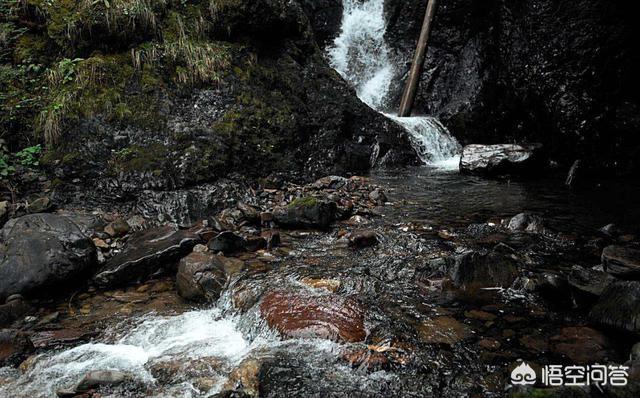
(523, 375)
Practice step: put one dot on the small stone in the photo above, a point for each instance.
(117, 228)
(255, 243)
(200, 248)
(362, 239)
(330, 285)
(535, 344)
(443, 330)
(227, 242)
(377, 196)
(610, 230)
(266, 218)
(14, 297)
(480, 315)
(250, 213)
(489, 344)
(200, 277)
(526, 222)
(40, 205)
(272, 237)
(101, 243)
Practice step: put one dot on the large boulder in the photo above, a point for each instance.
(42, 254)
(306, 212)
(146, 252)
(477, 270)
(500, 159)
(330, 316)
(621, 262)
(619, 307)
(201, 277)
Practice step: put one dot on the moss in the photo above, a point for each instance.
(83, 88)
(140, 158)
(30, 48)
(308, 201)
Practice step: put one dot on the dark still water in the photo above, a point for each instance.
(441, 197)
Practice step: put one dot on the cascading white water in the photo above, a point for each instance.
(192, 335)
(362, 57)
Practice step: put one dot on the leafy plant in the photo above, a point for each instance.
(29, 157)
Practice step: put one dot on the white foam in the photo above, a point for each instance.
(192, 335)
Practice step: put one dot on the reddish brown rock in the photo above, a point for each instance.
(331, 317)
(582, 345)
(362, 357)
(443, 330)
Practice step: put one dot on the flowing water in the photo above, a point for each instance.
(362, 57)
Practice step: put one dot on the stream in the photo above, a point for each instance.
(424, 337)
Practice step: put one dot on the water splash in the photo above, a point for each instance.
(361, 55)
(192, 335)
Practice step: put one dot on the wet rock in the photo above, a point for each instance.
(200, 277)
(475, 269)
(330, 182)
(574, 174)
(42, 252)
(117, 228)
(15, 347)
(245, 378)
(266, 219)
(4, 212)
(40, 205)
(330, 285)
(368, 359)
(480, 315)
(589, 281)
(377, 196)
(272, 238)
(500, 159)
(610, 230)
(526, 222)
(621, 262)
(13, 309)
(619, 307)
(53, 338)
(443, 330)
(332, 317)
(255, 243)
(582, 345)
(95, 379)
(360, 239)
(536, 344)
(227, 242)
(146, 252)
(306, 212)
(249, 213)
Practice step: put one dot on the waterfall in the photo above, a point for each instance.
(362, 57)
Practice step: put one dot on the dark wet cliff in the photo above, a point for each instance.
(561, 73)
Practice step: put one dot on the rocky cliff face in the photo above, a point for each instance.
(170, 94)
(561, 73)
